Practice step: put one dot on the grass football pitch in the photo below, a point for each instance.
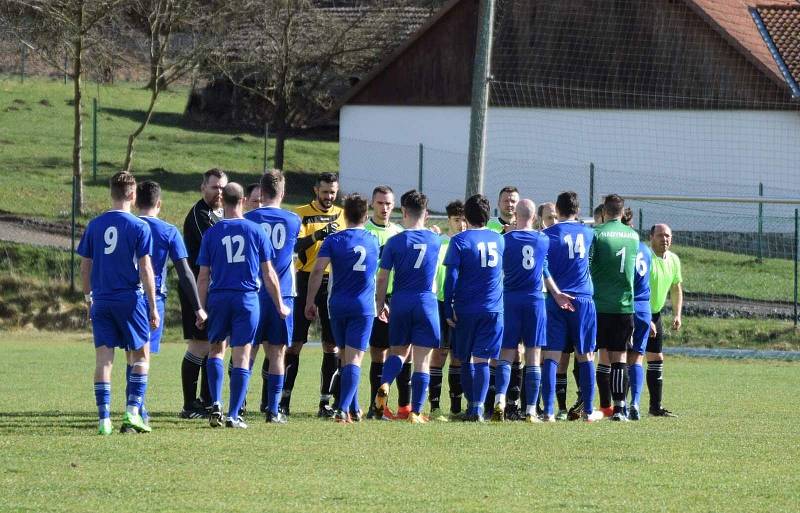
(734, 448)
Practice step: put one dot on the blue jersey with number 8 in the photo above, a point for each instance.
(354, 262)
(235, 250)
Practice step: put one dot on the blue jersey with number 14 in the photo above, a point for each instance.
(477, 254)
(281, 228)
(354, 262)
(235, 250)
(568, 257)
(414, 255)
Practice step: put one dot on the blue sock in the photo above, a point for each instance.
(502, 377)
(533, 382)
(467, 372)
(549, 369)
(391, 368)
(354, 406)
(215, 370)
(587, 384)
(137, 386)
(275, 387)
(480, 386)
(636, 377)
(419, 390)
(102, 397)
(349, 385)
(239, 380)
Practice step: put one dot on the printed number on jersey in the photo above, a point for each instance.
(641, 264)
(111, 236)
(528, 258)
(276, 234)
(489, 255)
(422, 248)
(235, 255)
(362, 255)
(576, 247)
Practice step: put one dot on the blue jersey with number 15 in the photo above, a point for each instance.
(281, 228)
(568, 257)
(354, 262)
(235, 250)
(477, 254)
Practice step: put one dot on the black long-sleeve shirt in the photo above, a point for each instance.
(199, 219)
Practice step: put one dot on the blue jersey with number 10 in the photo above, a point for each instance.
(568, 257)
(414, 254)
(282, 228)
(477, 254)
(524, 263)
(354, 262)
(115, 241)
(235, 250)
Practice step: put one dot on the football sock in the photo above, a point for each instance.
(137, 385)
(239, 379)
(291, 364)
(655, 382)
(336, 385)
(102, 398)
(205, 387)
(548, 389)
(604, 384)
(467, 373)
(190, 372)
(636, 376)
(128, 369)
(214, 370)
(391, 369)
(619, 381)
(434, 387)
(419, 389)
(454, 383)
(515, 385)
(266, 396)
(561, 391)
(586, 382)
(533, 382)
(375, 371)
(275, 388)
(404, 385)
(327, 373)
(349, 386)
(354, 406)
(230, 366)
(502, 378)
(488, 402)
(576, 373)
(480, 386)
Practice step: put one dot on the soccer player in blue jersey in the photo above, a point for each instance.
(282, 228)
(115, 266)
(353, 256)
(413, 314)
(473, 297)
(232, 253)
(568, 264)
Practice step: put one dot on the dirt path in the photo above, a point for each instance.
(16, 231)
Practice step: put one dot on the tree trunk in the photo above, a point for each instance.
(280, 143)
(132, 138)
(77, 148)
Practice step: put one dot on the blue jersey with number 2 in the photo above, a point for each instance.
(354, 262)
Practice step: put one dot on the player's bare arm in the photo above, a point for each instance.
(149, 283)
(86, 280)
(676, 295)
(273, 287)
(314, 282)
(380, 296)
(563, 300)
(202, 287)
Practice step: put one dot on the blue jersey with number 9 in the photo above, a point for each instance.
(235, 250)
(354, 262)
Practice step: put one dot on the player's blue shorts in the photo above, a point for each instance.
(155, 335)
(353, 331)
(479, 335)
(122, 322)
(525, 320)
(578, 327)
(233, 314)
(271, 328)
(414, 319)
(641, 326)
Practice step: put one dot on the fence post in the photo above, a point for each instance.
(421, 166)
(591, 188)
(94, 140)
(266, 146)
(72, 239)
(760, 223)
(641, 222)
(22, 57)
(66, 63)
(796, 230)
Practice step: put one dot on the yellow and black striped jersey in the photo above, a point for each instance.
(313, 218)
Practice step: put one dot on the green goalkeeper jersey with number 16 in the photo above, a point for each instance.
(613, 265)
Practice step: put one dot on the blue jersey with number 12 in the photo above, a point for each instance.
(281, 228)
(477, 254)
(568, 257)
(235, 250)
(354, 262)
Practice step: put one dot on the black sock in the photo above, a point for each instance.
(655, 383)
(205, 391)
(435, 387)
(327, 373)
(561, 391)
(264, 383)
(336, 384)
(576, 373)
(515, 384)
(603, 378)
(291, 365)
(619, 377)
(190, 372)
(230, 367)
(375, 374)
(404, 385)
(488, 405)
(454, 383)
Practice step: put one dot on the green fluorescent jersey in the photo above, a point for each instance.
(664, 273)
(496, 224)
(384, 233)
(440, 270)
(613, 263)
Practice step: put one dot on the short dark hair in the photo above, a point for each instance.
(414, 202)
(122, 185)
(248, 189)
(476, 210)
(147, 194)
(627, 216)
(567, 203)
(232, 194)
(272, 183)
(613, 205)
(598, 210)
(455, 208)
(327, 178)
(355, 208)
(509, 189)
(381, 189)
(214, 171)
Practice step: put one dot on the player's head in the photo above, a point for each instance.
(627, 217)
(148, 196)
(546, 215)
(382, 203)
(273, 187)
(613, 207)
(214, 180)
(598, 215)
(355, 209)
(525, 214)
(476, 210)
(252, 195)
(456, 223)
(507, 201)
(325, 189)
(660, 238)
(123, 187)
(233, 198)
(567, 205)
(414, 205)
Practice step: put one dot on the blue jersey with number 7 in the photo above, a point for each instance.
(354, 262)
(477, 254)
(414, 255)
(235, 250)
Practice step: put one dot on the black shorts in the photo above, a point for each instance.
(188, 319)
(444, 329)
(655, 344)
(301, 324)
(614, 331)
(379, 338)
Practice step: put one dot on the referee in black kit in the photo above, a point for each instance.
(203, 215)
